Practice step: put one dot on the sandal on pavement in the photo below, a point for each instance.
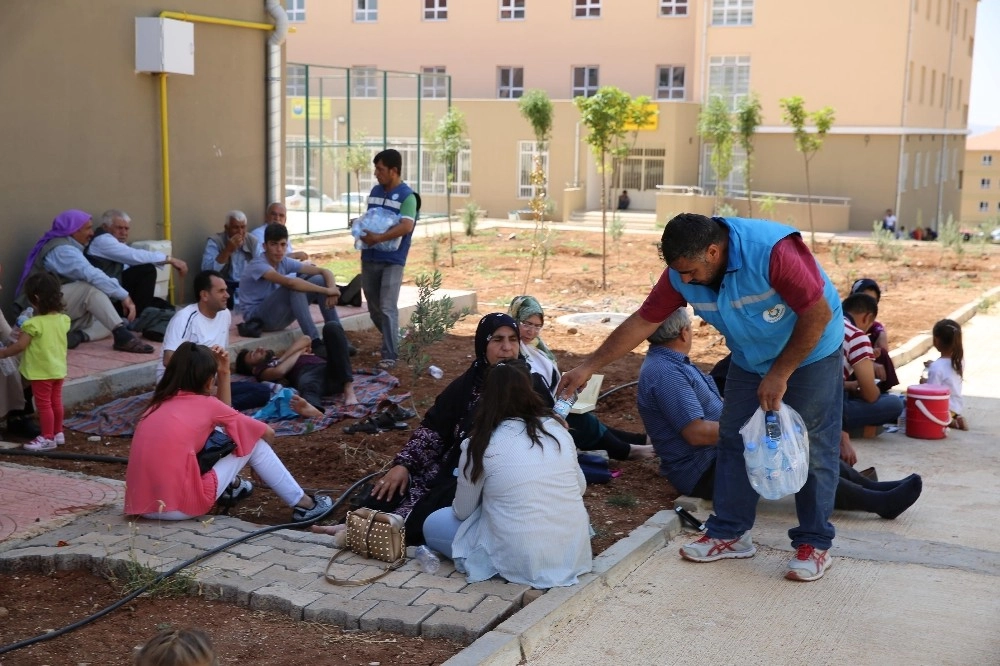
(366, 425)
(397, 412)
(385, 421)
(135, 346)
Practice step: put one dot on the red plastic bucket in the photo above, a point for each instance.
(927, 415)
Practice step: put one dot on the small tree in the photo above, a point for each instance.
(748, 118)
(536, 107)
(430, 322)
(715, 125)
(356, 159)
(608, 115)
(793, 113)
(449, 138)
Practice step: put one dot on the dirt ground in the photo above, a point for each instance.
(918, 288)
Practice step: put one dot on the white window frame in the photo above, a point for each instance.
(433, 174)
(670, 91)
(729, 78)
(587, 88)
(587, 9)
(366, 11)
(510, 90)
(987, 160)
(641, 170)
(435, 10)
(984, 206)
(296, 11)
(364, 81)
(984, 183)
(512, 10)
(732, 12)
(433, 82)
(525, 167)
(735, 181)
(673, 8)
(295, 80)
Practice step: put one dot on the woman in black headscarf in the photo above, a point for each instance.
(422, 477)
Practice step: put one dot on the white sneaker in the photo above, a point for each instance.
(809, 563)
(59, 439)
(40, 444)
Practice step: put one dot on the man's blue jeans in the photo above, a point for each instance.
(283, 306)
(381, 282)
(814, 391)
(858, 413)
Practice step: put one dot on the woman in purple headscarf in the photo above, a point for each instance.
(421, 479)
(66, 224)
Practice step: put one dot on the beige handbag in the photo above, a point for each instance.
(373, 534)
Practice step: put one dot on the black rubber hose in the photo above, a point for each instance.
(167, 574)
(617, 388)
(60, 455)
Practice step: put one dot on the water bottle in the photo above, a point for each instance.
(563, 405)
(25, 316)
(428, 559)
(772, 427)
(753, 455)
(772, 445)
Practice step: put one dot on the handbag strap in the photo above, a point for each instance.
(330, 578)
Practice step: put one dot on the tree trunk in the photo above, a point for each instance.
(809, 203)
(451, 237)
(604, 224)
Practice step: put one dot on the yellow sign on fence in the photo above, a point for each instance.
(319, 109)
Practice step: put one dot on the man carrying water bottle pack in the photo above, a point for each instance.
(759, 285)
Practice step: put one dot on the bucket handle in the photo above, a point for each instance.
(930, 417)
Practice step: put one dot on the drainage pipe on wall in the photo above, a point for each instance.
(275, 96)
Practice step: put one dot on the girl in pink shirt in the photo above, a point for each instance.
(163, 480)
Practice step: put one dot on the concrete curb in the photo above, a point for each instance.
(518, 638)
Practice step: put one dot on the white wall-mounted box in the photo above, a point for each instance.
(164, 45)
(163, 270)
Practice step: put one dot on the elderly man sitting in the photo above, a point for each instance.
(230, 251)
(277, 214)
(134, 269)
(86, 290)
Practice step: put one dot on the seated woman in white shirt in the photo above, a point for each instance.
(518, 510)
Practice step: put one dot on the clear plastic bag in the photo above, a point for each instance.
(377, 220)
(776, 451)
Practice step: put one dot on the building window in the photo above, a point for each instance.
(984, 183)
(904, 167)
(584, 81)
(987, 160)
(364, 82)
(734, 184)
(670, 82)
(365, 11)
(641, 169)
(511, 10)
(296, 10)
(916, 172)
(984, 206)
(295, 80)
(526, 166)
(510, 82)
(587, 8)
(732, 12)
(433, 174)
(435, 10)
(729, 78)
(673, 7)
(433, 81)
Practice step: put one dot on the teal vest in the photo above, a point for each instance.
(756, 321)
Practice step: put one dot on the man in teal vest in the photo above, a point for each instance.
(759, 285)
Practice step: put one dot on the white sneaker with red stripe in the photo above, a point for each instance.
(809, 563)
(707, 549)
(40, 444)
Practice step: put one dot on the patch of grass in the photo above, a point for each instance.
(132, 575)
(986, 304)
(343, 269)
(855, 252)
(624, 501)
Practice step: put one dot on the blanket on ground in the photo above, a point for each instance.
(119, 417)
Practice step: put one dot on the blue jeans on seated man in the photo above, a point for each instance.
(283, 306)
(858, 413)
(814, 392)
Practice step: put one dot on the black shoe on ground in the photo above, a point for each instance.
(319, 348)
(22, 427)
(249, 329)
(74, 338)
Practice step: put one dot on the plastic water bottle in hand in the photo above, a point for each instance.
(563, 405)
(772, 443)
(754, 457)
(428, 559)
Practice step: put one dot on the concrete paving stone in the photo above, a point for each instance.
(382, 592)
(226, 561)
(293, 579)
(490, 649)
(315, 550)
(321, 584)
(345, 571)
(498, 587)
(304, 536)
(331, 609)
(437, 582)
(460, 601)
(232, 588)
(153, 545)
(247, 550)
(667, 520)
(63, 561)
(198, 540)
(388, 616)
(624, 556)
(283, 599)
(73, 535)
(32, 558)
(274, 541)
(466, 627)
(134, 558)
(290, 562)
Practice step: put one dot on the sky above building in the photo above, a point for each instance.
(984, 95)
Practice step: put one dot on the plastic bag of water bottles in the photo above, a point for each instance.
(377, 220)
(776, 451)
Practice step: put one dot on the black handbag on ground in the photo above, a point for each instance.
(350, 293)
(217, 446)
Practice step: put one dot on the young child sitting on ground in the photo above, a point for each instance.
(43, 341)
(885, 370)
(947, 370)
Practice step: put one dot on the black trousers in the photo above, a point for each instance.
(140, 283)
(314, 382)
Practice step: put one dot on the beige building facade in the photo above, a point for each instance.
(981, 180)
(896, 72)
(81, 127)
